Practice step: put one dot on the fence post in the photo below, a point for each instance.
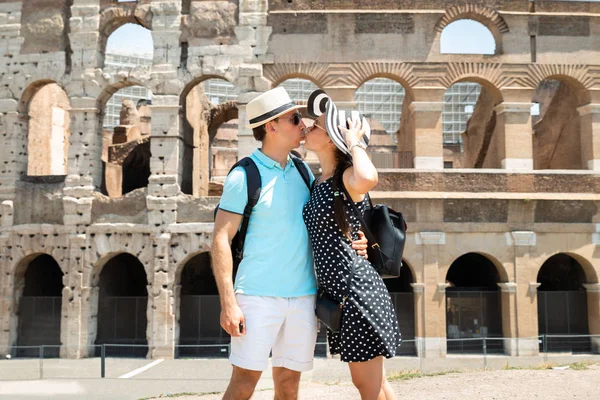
(421, 351)
(42, 362)
(484, 354)
(102, 361)
(545, 339)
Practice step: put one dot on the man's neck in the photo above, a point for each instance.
(276, 153)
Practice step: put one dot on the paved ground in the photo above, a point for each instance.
(128, 380)
(497, 385)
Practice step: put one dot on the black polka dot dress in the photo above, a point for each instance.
(369, 324)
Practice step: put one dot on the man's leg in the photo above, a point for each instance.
(249, 356)
(294, 348)
(242, 384)
(286, 383)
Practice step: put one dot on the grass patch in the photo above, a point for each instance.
(578, 366)
(174, 395)
(407, 375)
(581, 366)
(538, 367)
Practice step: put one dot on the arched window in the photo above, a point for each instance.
(299, 89)
(557, 126)
(49, 131)
(381, 99)
(467, 36)
(209, 111)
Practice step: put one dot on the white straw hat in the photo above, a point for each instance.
(319, 102)
(268, 106)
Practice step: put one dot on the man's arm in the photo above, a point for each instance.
(226, 226)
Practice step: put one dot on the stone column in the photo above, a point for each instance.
(5, 292)
(73, 332)
(161, 311)
(508, 296)
(428, 140)
(252, 16)
(166, 161)
(590, 136)
(525, 311)
(515, 131)
(246, 142)
(434, 295)
(419, 293)
(84, 34)
(13, 148)
(85, 150)
(593, 296)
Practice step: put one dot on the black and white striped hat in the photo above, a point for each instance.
(319, 102)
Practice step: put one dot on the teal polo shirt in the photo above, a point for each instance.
(278, 260)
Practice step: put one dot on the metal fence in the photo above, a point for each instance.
(39, 323)
(562, 314)
(473, 315)
(122, 324)
(412, 355)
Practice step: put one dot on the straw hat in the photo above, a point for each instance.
(268, 106)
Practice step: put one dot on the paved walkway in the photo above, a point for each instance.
(135, 379)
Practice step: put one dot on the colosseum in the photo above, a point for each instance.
(105, 228)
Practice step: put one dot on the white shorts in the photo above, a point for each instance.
(285, 326)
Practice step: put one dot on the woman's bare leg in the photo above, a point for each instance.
(367, 377)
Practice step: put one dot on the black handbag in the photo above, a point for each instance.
(385, 230)
(328, 310)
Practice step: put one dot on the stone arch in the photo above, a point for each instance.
(317, 73)
(112, 18)
(199, 122)
(397, 72)
(487, 16)
(121, 298)
(591, 275)
(43, 301)
(45, 128)
(479, 143)
(297, 75)
(562, 133)
(108, 91)
(197, 306)
(474, 303)
(219, 115)
(502, 273)
(563, 305)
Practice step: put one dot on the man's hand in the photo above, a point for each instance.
(361, 244)
(232, 320)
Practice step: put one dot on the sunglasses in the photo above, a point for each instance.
(315, 125)
(296, 119)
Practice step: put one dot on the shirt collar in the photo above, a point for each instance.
(269, 162)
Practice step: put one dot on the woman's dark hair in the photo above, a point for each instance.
(343, 162)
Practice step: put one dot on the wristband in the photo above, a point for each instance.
(358, 144)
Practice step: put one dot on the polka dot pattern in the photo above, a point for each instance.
(369, 324)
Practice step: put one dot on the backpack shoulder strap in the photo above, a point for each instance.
(254, 185)
(302, 169)
(253, 182)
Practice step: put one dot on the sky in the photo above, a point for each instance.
(463, 36)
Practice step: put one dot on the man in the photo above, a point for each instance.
(270, 309)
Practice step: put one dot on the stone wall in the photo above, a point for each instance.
(515, 215)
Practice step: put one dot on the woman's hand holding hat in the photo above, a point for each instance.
(354, 133)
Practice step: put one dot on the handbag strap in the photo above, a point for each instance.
(358, 214)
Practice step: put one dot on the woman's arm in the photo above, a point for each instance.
(362, 176)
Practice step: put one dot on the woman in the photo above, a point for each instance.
(369, 329)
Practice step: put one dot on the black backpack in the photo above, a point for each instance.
(254, 186)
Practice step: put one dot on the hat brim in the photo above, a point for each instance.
(271, 118)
